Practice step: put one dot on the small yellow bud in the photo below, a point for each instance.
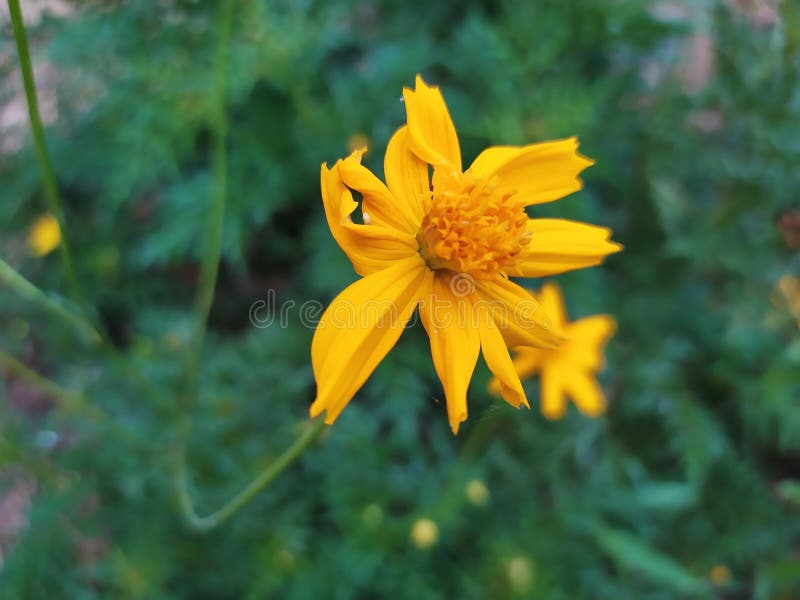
(720, 575)
(44, 235)
(477, 492)
(520, 573)
(424, 533)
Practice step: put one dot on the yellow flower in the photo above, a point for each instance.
(477, 492)
(720, 574)
(44, 235)
(520, 574)
(445, 244)
(424, 533)
(570, 369)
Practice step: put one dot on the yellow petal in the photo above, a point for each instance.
(492, 158)
(369, 247)
(587, 339)
(521, 318)
(495, 353)
(553, 402)
(407, 175)
(44, 235)
(527, 360)
(359, 328)
(559, 245)
(536, 173)
(379, 205)
(432, 135)
(585, 392)
(553, 303)
(455, 345)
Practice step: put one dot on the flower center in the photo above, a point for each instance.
(472, 227)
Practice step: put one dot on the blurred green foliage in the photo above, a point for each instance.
(693, 112)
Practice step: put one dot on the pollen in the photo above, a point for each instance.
(472, 227)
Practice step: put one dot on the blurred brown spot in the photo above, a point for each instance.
(761, 13)
(89, 549)
(33, 11)
(698, 67)
(28, 399)
(671, 11)
(144, 208)
(15, 502)
(789, 225)
(706, 121)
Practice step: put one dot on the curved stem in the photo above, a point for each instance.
(264, 478)
(30, 292)
(205, 296)
(50, 188)
(209, 267)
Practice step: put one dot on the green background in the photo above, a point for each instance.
(692, 110)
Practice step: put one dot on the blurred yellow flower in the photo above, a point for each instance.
(570, 369)
(446, 244)
(424, 533)
(520, 574)
(477, 492)
(720, 574)
(44, 235)
(789, 287)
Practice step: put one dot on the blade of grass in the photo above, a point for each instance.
(52, 194)
(33, 294)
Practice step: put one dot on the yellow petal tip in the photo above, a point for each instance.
(455, 423)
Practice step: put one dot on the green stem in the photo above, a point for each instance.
(50, 187)
(264, 478)
(205, 296)
(24, 372)
(73, 402)
(209, 270)
(30, 292)
(209, 267)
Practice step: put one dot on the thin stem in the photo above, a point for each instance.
(30, 292)
(71, 401)
(24, 372)
(205, 297)
(50, 188)
(209, 267)
(264, 478)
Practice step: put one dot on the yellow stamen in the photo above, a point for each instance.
(472, 227)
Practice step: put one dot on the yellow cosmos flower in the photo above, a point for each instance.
(44, 235)
(570, 369)
(447, 244)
